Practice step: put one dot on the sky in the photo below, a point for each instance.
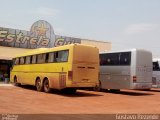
(125, 23)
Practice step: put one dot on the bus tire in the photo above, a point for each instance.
(15, 82)
(39, 86)
(47, 89)
(97, 88)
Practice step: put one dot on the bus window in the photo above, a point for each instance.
(62, 56)
(17, 61)
(156, 66)
(125, 58)
(34, 59)
(51, 57)
(28, 60)
(41, 58)
(22, 60)
(103, 60)
(112, 59)
(109, 59)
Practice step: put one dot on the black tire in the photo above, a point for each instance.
(97, 88)
(46, 85)
(39, 86)
(15, 82)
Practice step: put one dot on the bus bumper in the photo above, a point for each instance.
(156, 86)
(141, 85)
(83, 85)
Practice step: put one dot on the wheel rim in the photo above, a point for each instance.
(38, 84)
(46, 85)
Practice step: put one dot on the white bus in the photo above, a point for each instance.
(156, 73)
(127, 69)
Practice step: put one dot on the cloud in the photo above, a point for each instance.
(140, 28)
(45, 12)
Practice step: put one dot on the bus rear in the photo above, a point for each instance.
(85, 67)
(142, 69)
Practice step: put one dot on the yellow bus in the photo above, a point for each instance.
(67, 68)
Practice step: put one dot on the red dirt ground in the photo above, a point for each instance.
(26, 100)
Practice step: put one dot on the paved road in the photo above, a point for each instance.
(26, 99)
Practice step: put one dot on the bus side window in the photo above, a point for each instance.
(41, 58)
(125, 58)
(103, 59)
(28, 61)
(22, 60)
(34, 59)
(51, 57)
(62, 56)
(156, 66)
(112, 59)
(17, 61)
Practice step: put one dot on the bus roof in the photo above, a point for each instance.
(44, 50)
(156, 59)
(127, 50)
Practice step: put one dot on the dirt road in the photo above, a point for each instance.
(26, 100)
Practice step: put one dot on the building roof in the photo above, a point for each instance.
(7, 53)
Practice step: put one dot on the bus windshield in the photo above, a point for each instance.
(156, 66)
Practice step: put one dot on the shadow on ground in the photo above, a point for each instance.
(131, 93)
(79, 93)
(152, 90)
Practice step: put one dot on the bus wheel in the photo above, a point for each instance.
(15, 82)
(97, 88)
(39, 86)
(46, 86)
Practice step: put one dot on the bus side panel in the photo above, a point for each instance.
(56, 80)
(56, 74)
